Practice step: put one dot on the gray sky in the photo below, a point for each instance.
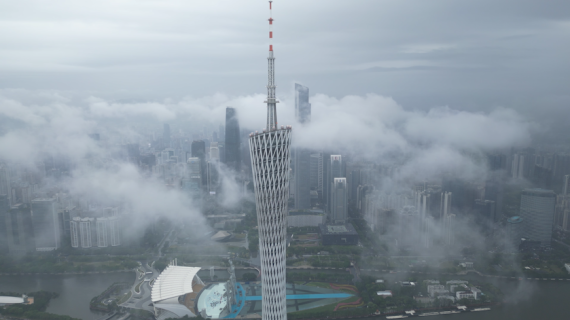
(475, 55)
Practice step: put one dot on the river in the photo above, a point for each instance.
(75, 291)
(527, 300)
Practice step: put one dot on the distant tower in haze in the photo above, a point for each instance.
(166, 135)
(302, 158)
(270, 166)
(232, 141)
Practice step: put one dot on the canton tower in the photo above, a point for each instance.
(270, 163)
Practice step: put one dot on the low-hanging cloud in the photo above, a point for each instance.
(369, 127)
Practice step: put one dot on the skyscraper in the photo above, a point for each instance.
(537, 212)
(302, 105)
(445, 205)
(233, 156)
(193, 182)
(5, 187)
(199, 151)
(302, 158)
(334, 171)
(214, 151)
(4, 211)
(270, 165)
(19, 233)
(448, 229)
(339, 201)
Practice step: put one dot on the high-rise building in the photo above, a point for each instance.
(537, 211)
(566, 185)
(214, 151)
(448, 229)
(46, 224)
(316, 172)
(302, 105)
(445, 205)
(270, 156)
(99, 232)
(102, 232)
(335, 171)
(212, 176)
(198, 149)
(424, 203)
(354, 182)
(302, 156)
(302, 167)
(339, 201)
(5, 185)
(19, 234)
(232, 141)
(563, 205)
(4, 212)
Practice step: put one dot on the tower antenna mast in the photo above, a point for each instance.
(271, 100)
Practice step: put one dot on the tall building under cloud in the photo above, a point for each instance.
(233, 155)
(302, 157)
(270, 165)
(537, 212)
(46, 224)
(339, 201)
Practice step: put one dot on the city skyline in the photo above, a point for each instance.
(414, 141)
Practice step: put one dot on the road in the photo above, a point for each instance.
(142, 299)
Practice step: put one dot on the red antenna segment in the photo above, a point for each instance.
(270, 28)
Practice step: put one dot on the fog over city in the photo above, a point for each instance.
(449, 118)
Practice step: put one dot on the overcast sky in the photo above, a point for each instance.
(468, 55)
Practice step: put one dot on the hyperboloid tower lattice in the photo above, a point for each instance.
(270, 162)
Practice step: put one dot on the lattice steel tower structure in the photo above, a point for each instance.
(270, 163)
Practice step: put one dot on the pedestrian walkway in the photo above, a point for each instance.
(306, 296)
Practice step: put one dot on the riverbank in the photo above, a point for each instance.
(75, 291)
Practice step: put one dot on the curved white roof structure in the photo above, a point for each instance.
(173, 282)
(11, 300)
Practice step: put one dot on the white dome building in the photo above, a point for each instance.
(175, 291)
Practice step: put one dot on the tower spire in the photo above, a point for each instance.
(271, 101)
